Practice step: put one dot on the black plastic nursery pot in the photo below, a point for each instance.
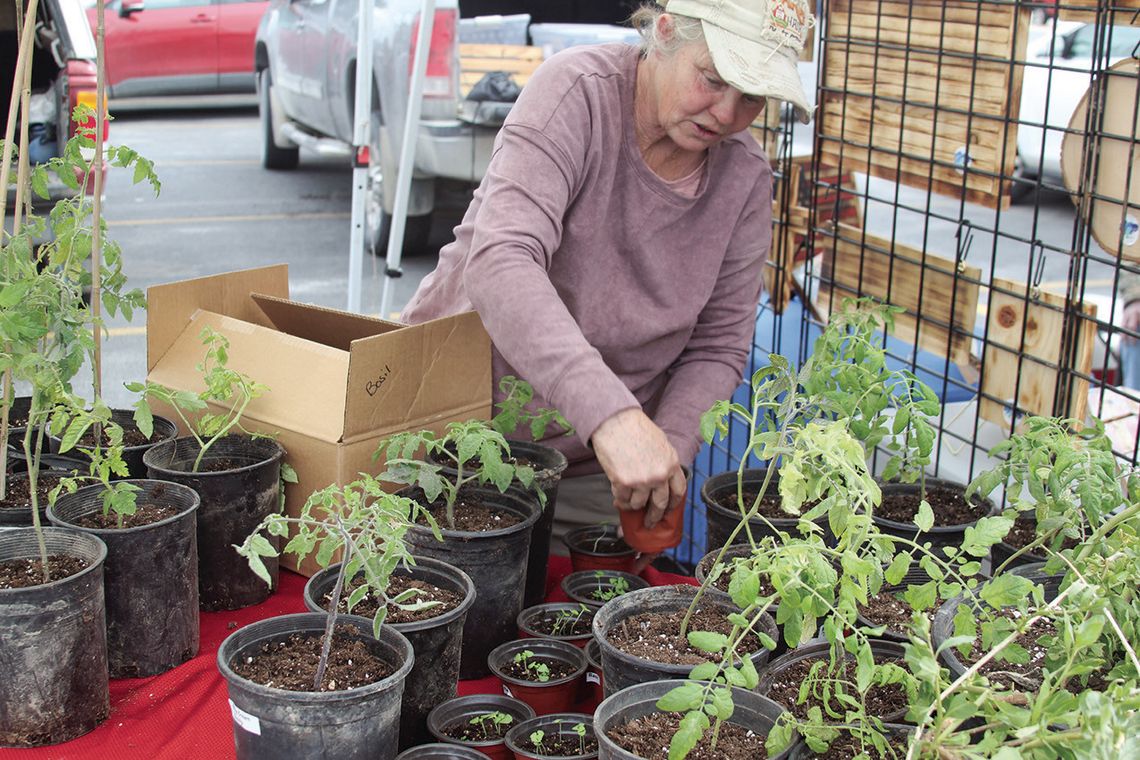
(584, 586)
(234, 501)
(548, 464)
(21, 516)
(554, 727)
(53, 643)
(940, 535)
(533, 622)
(164, 430)
(722, 520)
(819, 649)
(435, 641)
(598, 547)
(621, 669)
(1003, 550)
(457, 714)
(353, 724)
(751, 712)
(701, 572)
(942, 626)
(545, 697)
(495, 560)
(440, 751)
(150, 578)
(48, 462)
(17, 427)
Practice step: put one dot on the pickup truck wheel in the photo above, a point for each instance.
(272, 156)
(417, 232)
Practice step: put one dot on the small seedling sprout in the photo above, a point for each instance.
(536, 738)
(539, 670)
(494, 718)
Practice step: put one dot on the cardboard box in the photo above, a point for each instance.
(338, 382)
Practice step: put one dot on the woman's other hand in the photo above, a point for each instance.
(641, 464)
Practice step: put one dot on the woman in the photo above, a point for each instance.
(614, 248)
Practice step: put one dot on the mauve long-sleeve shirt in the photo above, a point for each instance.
(598, 282)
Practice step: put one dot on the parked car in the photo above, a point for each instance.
(305, 58)
(63, 76)
(1059, 71)
(179, 47)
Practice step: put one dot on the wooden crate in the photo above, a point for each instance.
(940, 298)
(917, 91)
(1009, 357)
(475, 61)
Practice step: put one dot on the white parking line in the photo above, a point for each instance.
(236, 218)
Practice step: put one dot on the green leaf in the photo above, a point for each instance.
(707, 641)
(1089, 631)
(898, 568)
(693, 725)
(1005, 590)
(925, 517)
(706, 671)
(921, 596)
(686, 697)
(748, 670)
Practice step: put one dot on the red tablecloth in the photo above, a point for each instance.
(183, 714)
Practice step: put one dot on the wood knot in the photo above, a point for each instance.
(1007, 316)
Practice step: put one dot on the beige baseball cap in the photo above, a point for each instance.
(755, 44)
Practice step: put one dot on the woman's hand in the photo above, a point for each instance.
(641, 464)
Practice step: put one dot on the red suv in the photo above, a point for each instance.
(179, 47)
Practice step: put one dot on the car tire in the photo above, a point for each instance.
(417, 233)
(377, 221)
(272, 156)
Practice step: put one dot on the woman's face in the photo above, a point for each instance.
(695, 107)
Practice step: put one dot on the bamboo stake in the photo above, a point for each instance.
(97, 210)
(22, 66)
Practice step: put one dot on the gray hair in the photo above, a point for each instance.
(686, 30)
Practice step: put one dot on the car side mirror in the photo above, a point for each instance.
(127, 7)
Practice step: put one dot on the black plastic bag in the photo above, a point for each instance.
(496, 86)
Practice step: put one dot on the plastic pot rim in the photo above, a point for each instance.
(475, 699)
(166, 422)
(574, 653)
(446, 748)
(712, 486)
(196, 502)
(937, 529)
(535, 609)
(511, 738)
(607, 530)
(12, 594)
(604, 644)
(442, 619)
(344, 695)
(526, 523)
(153, 453)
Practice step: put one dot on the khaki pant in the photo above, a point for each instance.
(585, 500)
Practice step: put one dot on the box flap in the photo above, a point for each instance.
(170, 307)
(409, 374)
(306, 380)
(331, 327)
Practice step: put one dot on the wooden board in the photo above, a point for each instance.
(1008, 357)
(925, 93)
(1072, 10)
(475, 61)
(941, 300)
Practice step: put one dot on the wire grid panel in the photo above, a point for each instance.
(1017, 308)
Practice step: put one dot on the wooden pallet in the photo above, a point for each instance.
(917, 91)
(940, 298)
(1013, 364)
(475, 61)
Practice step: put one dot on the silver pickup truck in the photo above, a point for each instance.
(305, 59)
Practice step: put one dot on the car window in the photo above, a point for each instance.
(1081, 42)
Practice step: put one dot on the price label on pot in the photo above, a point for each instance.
(593, 678)
(245, 720)
(507, 690)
